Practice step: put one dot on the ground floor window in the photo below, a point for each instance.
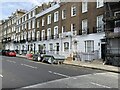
(66, 46)
(89, 46)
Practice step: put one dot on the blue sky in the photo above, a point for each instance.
(9, 6)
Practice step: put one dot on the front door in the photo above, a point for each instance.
(103, 51)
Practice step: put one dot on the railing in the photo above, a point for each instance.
(83, 56)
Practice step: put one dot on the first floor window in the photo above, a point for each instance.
(89, 46)
(66, 46)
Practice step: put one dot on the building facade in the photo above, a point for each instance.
(9, 30)
(112, 33)
(61, 28)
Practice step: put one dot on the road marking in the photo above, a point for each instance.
(1, 75)
(100, 85)
(59, 74)
(11, 61)
(29, 66)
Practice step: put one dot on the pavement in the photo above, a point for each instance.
(94, 65)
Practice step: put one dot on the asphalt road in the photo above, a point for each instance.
(22, 73)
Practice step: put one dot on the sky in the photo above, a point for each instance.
(7, 7)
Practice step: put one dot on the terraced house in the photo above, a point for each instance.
(9, 30)
(61, 28)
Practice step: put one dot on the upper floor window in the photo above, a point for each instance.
(33, 24)
(43, 21)
(64, 14)
(100, 3)
(49, 19)
(38, 34)
(38, 23)
(100, 23)
(73, 10)
(56, 16)
(117, 22)
(84, 6)
(43, 34)
(48, 33)
(73, 27)
(84, 26)
(63, 29)
(29, 25)
(55, 31)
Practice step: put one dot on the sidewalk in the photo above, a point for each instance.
(93, 65)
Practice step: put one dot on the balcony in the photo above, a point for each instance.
(114, 34)
(22, 41)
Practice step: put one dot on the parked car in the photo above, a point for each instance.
(12, 53)
(5, 52)
(37, 57)
(53, 58)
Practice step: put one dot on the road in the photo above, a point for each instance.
(22, 73)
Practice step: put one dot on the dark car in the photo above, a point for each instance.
(5, 52)
(53, 58)
(37, 57)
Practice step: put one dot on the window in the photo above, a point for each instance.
(66, 46)
(55, 31)
(29, 15)
(38, 34)
(43, 34)
(84, 6)
(25, 35)
(84, 26)
(89, 46)
(63, 29)
(73, 10)
(38, 23)
(117, 22)
(49, 19)
(73, 27)
(29, 34)
(51, 47)
(43, 21)
(33, 24)
(100, 3)
(33, 33)
(33, 13)
(25, 17)
(48, 33)
(56, 16)
(99, 23)
(25, 25)
(64, 14)
(29, 25)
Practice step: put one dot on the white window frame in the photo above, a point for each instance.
(38, 34)
(33, 23)
(84, 26)
(43, 34)
(84, 6)
(56, 16)
(100, 23)
(38, 23)
(72, 10)
(43, 21)
(100, 3)
(48, 33)
(55, 31)
(66, 46)
(49, 19)
(64, 14)
(89, 46)
(63, 27)
(29, 25)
